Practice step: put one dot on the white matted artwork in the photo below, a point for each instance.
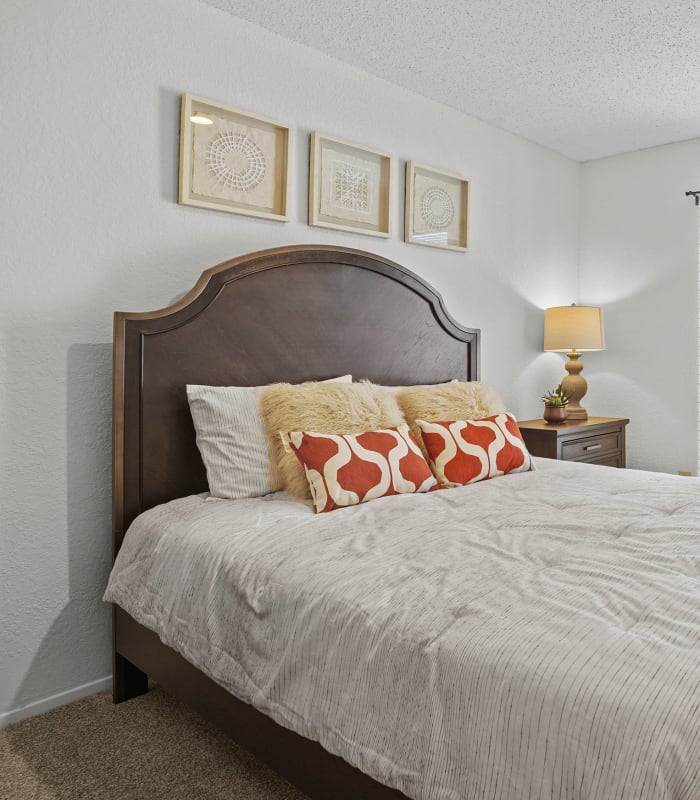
(349, 187)
(233, 161)
(437, 208)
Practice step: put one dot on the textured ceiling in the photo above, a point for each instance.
(588, 78)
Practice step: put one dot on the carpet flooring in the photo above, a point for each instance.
(150, 748)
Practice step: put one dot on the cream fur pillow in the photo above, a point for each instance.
(323, 408)
(447, 401)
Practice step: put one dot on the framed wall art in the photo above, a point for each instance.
(349, 187)
(233, 161)
(437, 208)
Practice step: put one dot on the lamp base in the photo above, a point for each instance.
(576, 413)
(575, 386)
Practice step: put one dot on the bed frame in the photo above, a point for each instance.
(296, 313)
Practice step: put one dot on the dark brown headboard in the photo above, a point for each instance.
(296, 313)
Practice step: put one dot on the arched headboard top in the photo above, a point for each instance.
(304, 312)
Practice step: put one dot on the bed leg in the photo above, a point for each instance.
(128, 681)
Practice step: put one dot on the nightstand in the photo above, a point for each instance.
(597, 440)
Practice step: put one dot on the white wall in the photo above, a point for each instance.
(639, 259)
(90, 224)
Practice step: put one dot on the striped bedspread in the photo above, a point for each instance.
(532, 636)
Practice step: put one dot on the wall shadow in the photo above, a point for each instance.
(76, 649)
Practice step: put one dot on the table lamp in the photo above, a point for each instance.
(574, 330)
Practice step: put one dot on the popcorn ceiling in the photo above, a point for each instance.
(587, 79)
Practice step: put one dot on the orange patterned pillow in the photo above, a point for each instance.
(468, 451)
(347, 469)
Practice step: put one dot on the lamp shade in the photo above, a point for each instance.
(570, 328)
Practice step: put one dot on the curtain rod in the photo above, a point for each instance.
(696, 195)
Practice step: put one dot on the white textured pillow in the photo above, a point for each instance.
(231, 440)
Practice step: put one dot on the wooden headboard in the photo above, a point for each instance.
(297, 313)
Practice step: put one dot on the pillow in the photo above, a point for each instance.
(323, 408)
(466, 451)
(231, 440)
(347, 469)
(403, 387)
(454, 400)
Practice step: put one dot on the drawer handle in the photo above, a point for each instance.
(593, 447)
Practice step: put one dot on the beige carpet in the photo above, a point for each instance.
(151, 748)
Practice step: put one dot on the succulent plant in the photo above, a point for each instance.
(556, 398)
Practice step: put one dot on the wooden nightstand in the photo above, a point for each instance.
(597, 440)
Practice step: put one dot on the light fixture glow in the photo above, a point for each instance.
(201, 119)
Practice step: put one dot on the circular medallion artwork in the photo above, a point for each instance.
(436, 207)
(236, 161)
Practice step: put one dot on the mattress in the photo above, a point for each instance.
(534, 635)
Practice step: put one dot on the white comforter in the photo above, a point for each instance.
(532, 636)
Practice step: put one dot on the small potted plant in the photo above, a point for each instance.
(555, 403)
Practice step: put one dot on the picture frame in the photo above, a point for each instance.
(236, 162)
(437, 208)
(349, 187)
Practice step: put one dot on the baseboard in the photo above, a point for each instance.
(54, 701)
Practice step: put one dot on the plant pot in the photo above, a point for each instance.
(554, 414)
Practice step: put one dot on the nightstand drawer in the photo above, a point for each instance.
(591, 446)
(596, 440)
(614, 460)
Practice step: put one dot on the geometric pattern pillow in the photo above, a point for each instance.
(466, 451)
(454, 400)
(344, 470)
(323, 408)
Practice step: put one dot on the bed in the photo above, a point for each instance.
(583, 685)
